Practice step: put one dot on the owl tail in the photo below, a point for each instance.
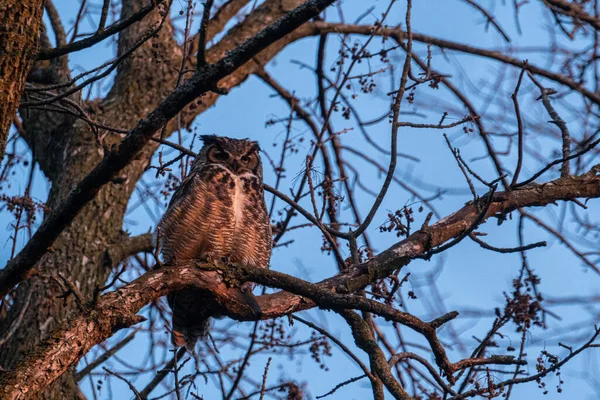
(188, 335)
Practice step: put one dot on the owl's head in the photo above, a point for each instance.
(240, 156)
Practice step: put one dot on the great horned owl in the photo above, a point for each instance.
(219, 214)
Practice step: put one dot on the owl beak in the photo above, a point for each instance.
(234, 166)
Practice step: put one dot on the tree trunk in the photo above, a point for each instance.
(19, 38)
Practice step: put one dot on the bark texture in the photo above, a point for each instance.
(67, 150)
(19, 38)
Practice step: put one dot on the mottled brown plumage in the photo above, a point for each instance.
(217, 214)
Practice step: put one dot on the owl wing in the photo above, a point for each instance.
(185, 208)
(182, 190)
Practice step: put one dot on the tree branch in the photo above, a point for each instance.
(573, 10)
(117, 310)
(129, 246)
(50, 53)
(365, 340)
(204, 80)
(320, 27)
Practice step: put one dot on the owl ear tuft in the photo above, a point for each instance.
(209, 139)
(255, 147)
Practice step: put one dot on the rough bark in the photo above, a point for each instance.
(66, 150)
(135, 146)
(118, 309)
(19, 38)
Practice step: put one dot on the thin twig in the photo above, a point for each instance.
(558, 121)
(520, 132)
(201, 56)
(264, 381)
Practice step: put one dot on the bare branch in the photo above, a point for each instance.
(63, 48)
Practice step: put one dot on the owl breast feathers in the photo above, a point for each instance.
(217, 214)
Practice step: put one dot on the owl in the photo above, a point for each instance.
(217, 214)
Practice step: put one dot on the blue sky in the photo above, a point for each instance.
(468, 277)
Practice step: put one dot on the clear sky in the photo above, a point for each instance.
(469, 278)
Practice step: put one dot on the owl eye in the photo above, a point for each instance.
(249, 160)
(215, 154)
(220, 155)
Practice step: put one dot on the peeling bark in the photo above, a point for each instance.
(19, 39)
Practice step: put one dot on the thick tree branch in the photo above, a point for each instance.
(118, 309)
(204, 80)
(573, 10)
(364, 339)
